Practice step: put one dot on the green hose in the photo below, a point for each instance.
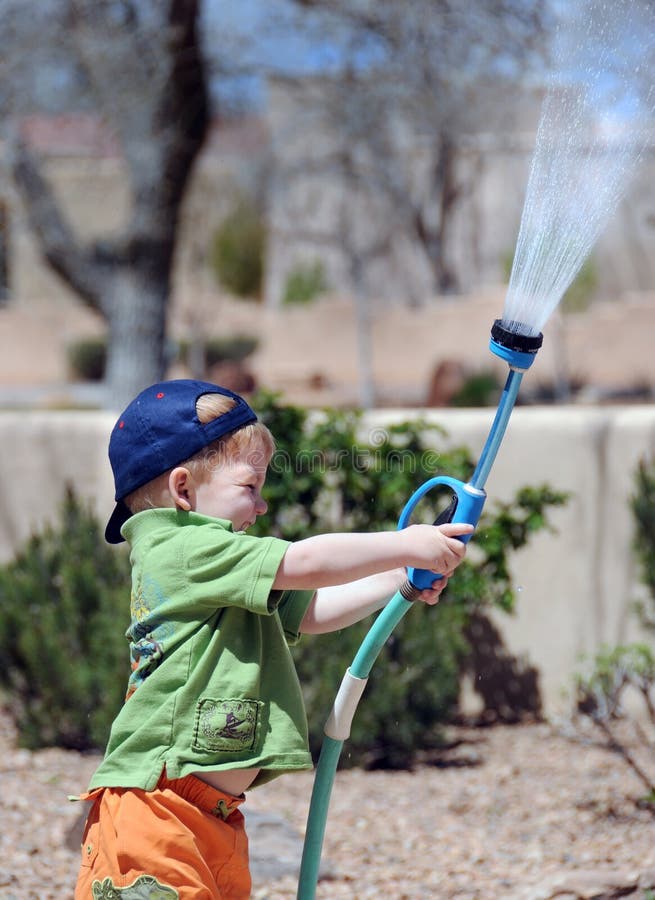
(318, 811)
(337, 730)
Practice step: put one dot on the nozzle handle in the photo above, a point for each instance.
(465, 506)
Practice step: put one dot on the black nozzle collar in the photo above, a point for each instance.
(514, 340)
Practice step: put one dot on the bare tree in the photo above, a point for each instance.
(409, 81)
(141, 65)
(416, 71)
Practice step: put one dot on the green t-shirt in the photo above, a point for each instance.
(213, 684)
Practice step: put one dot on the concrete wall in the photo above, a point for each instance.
(577, 585)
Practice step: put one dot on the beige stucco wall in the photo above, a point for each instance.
(577, 584)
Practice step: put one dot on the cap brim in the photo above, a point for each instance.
(116, 521)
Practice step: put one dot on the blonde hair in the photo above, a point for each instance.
(254, 437)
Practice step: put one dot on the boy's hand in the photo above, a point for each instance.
(431, 596)
(436, 547)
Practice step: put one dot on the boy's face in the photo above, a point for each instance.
(233, 490)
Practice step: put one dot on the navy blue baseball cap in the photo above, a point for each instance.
(159, 430)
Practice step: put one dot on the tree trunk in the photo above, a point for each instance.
(158, 105)
(367, 393)
(431, 230)
(136, 348)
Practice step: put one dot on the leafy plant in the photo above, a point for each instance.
(234, 348)
(643, 509)
(305, 283)
(63, 659)
(327, 475)
(237, 252)
(87, 358)
(614, 671)
(479, 389)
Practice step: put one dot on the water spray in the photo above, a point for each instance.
(578, 176)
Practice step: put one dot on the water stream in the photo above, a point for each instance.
(593, 129)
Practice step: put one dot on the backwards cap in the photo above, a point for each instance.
(159, 430)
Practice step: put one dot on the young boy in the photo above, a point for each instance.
(213, 705)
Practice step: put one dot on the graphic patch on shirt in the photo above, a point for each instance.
(146, 887)
(227, 724)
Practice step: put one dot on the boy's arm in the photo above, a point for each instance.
(331, 559)
(338, 607)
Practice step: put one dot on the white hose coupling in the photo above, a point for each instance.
(345, 703)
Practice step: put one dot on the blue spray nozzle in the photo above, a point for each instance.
(513, 345)
(465, 506)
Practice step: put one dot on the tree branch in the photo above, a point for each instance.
(619, 747)
(149, 79)
(55, 237)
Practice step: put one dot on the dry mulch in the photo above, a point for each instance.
(514, 812)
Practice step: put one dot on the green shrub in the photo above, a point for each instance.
(601, 687)
(87, 358)
(237, 252)
(643, 510)
(222, 349)
(305, 283)
(327, 476)
(229, 349)
(479, 389)
(64, 660)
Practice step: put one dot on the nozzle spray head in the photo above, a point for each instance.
(516, 348)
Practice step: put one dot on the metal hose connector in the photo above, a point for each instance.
(409, 592)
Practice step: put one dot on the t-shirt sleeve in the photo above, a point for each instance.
(227, 569)
(292, 607)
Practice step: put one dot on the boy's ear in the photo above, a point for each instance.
(182, 489)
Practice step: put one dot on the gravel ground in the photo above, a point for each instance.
(523, 813)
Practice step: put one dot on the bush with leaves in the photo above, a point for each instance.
(64, 660)
(614, 672)
(305, 283)
(643, 509)
(216, 350)
(87, 358)
(326, 475)
(237, 252)
(479, 389)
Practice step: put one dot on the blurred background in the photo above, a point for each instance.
(319, 197)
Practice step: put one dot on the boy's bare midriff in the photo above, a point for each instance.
(234, 782)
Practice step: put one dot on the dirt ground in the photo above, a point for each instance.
(510, 813)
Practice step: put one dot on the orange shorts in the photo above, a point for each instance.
(183, 841)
